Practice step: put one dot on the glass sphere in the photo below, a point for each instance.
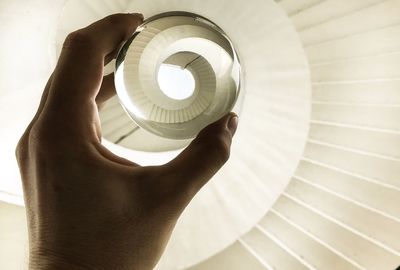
(178, 73)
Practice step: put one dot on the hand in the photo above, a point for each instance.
(88, 208)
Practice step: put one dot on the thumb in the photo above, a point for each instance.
(207, 153)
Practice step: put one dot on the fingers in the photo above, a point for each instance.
(79, 72)
(117, 160)
(204, 156)
(111, 56)
(107, 90)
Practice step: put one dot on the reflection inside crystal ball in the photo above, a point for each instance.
(178, 73)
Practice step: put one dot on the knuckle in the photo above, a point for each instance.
(78, 39)
(114, 20)
(20, 149)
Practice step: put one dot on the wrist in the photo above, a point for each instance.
(51, 261)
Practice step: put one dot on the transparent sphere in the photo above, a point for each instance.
(178, 73)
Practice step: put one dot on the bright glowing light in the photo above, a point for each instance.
(175, 82)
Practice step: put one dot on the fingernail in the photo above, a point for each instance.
(233, 124)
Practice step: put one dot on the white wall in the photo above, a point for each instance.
(13, 237)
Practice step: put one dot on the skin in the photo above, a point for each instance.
(88, 208)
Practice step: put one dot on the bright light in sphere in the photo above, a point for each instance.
(175, 82)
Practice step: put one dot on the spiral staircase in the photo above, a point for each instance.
(341, 207)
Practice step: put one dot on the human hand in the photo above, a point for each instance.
(86, 207)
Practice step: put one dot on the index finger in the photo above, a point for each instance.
(79, 72)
